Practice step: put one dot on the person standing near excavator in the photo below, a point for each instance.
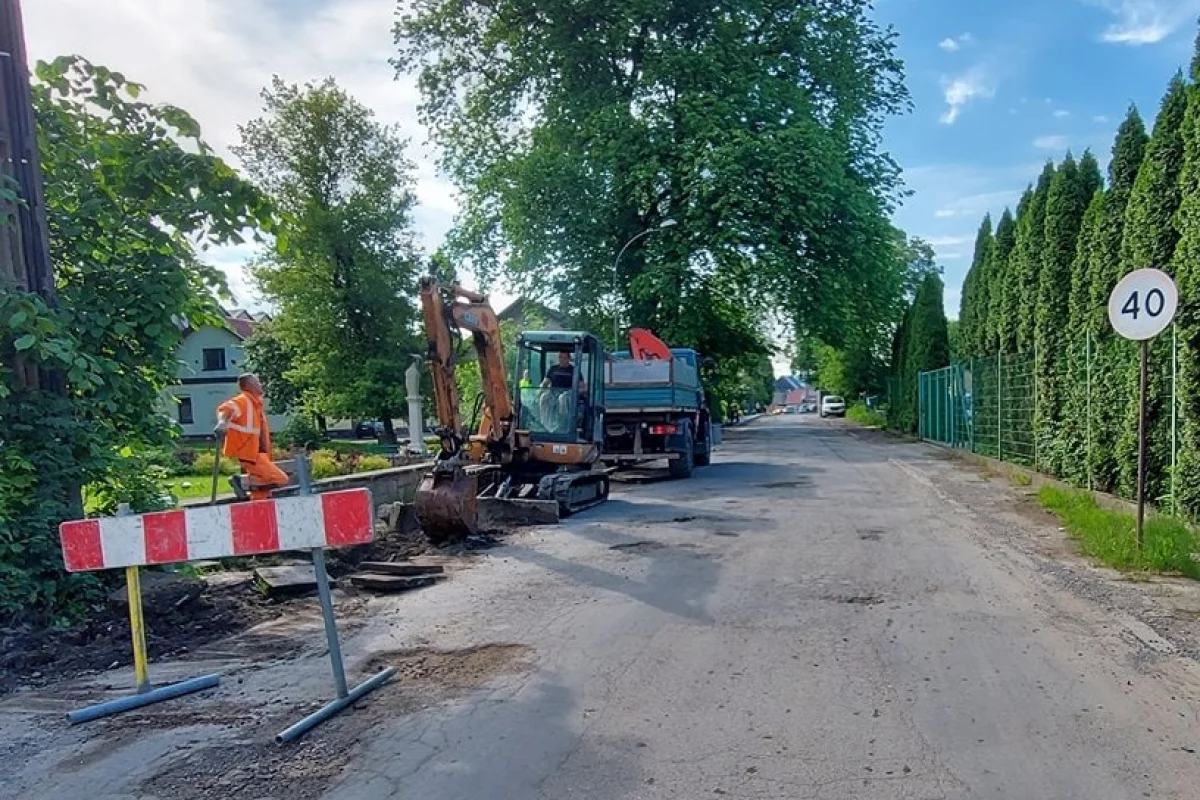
(243, 423)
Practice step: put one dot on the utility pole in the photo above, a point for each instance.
(24, 243)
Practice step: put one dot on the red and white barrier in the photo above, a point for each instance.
(332, 519)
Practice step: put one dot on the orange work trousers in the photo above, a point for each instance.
(264, 476)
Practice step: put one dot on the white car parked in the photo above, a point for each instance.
(833, 406)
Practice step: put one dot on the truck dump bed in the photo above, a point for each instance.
(631, 385)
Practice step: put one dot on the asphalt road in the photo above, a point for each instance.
(823, 614)
(811, 617)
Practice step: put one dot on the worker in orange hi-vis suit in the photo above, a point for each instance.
(248, 439)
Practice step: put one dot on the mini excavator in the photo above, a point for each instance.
(535, 454)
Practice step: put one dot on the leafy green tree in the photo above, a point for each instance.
(345, 282)
(1186, 266)
(954, 337)
(274, 363)
(1026, 264)
(131, 192)
(973, 312)
(1066, 203)
(1150, 239)
(1000, 325)
(1080, 346)
(1109, 384)
(572, 129)
(922, 343)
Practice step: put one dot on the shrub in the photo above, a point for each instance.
(204, 463)
(325, 464)
(186, 460)
(300, 431)
(370, 463)
(862, 415)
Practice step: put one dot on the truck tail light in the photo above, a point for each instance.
(662, 430)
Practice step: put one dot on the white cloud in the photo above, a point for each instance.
(1140, 22)
(1062, 113)
(1100, 119)
(952, 44)
(213, 58)
(1051, 142)
(948, 241)
(975, 84)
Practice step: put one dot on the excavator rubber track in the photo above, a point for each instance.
(575, 491)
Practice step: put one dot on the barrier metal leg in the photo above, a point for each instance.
(345, 697)
(141, 666)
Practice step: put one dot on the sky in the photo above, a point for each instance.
(997, 88)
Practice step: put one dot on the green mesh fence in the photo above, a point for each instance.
(989, 406)
(942, 401)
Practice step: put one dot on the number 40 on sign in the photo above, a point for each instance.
(1143, 304)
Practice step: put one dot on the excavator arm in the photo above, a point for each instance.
(447, 310)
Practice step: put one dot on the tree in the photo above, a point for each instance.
(973, 313)
(270, 358)
(345, 282)
(1109, 384)
(922, 343)
(1077, 405)
(1186, 264)
(1150, 239)
(1026, 264)
(954, 337)
(131, 192)
(1066, 203)
(999, 321)
(571, 129)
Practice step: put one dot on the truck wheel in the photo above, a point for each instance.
(704, 450)
(682, 467)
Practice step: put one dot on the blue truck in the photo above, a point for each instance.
(656, 410)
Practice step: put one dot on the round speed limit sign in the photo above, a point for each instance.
(1143, 304)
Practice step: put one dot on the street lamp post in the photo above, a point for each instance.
(666, 223)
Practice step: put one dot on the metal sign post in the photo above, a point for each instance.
(345, 696)
(1140, 307)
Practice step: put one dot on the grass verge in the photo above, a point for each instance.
(1109, 535)
(864, 416)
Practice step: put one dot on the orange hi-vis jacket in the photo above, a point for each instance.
(248, 434)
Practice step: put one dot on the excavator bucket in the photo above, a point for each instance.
(446, 504)
(502, 513)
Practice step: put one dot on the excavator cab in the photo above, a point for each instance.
(559, 397)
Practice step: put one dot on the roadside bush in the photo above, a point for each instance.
(185, 462)
(370, 463)
(325, 464)
(203, 465)
(1110, 536)
(299, 432)
(860, 414)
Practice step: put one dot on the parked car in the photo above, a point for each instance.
(807, 408)
(833, 406)
(368, 429)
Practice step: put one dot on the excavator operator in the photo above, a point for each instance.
(559, 378)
